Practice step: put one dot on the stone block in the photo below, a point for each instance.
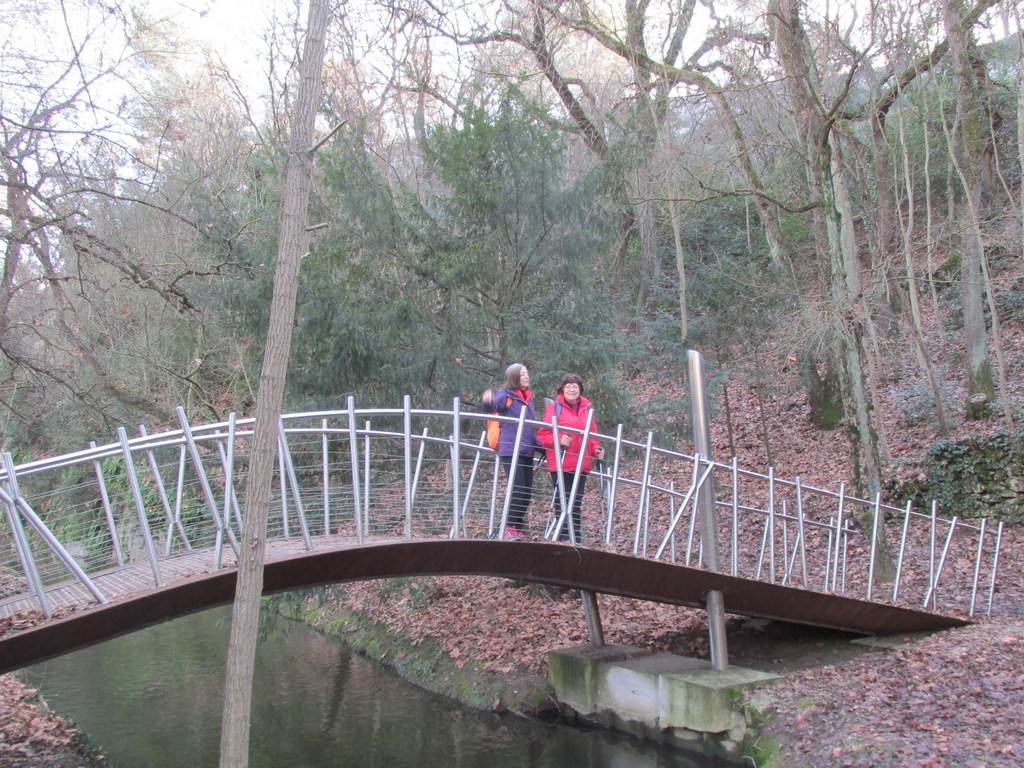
(705, 700)
(630, 688)
(573, 672)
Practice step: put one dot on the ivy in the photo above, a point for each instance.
(980, 477)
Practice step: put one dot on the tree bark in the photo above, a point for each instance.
(968, 149)
(920, 347)
(677, 238)
(234, 747)
(826, 179)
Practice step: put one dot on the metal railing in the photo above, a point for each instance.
(373, 474)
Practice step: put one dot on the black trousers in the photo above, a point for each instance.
(522, 489)
(576, 519)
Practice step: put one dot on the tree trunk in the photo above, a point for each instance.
(234, 746)
(827, 182)
(968, 151)
(920, 348)
(677, 237)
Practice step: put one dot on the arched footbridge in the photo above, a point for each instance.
(124, 535)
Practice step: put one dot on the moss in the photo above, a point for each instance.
(977, 477)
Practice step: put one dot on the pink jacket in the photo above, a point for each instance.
(574, 417)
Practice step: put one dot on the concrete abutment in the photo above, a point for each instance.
(659, 696)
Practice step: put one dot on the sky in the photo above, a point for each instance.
(233, 27)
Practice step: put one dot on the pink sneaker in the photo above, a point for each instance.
(513, 534)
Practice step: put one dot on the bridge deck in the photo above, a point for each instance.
(192, 582)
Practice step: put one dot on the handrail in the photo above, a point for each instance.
(402, 473)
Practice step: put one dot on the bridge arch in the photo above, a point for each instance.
(544, 563)
(380, 492)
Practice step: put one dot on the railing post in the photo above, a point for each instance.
(592, 617)
(456, 464)
(613, 484)
(706, 502)
(289, 466)
(204, 482)
(325, 458)
(353, 448)
(172, 520)
(18, 504)
(644, 482)
(140, 506)
(407, 452)
(28, 563)
(108, 511)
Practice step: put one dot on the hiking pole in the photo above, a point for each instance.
(550, 532)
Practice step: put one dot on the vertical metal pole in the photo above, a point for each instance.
(168, 512)
(204, 482)
(407, 453)
(903, 550)
(364, 526)
(995, 566)
(706, 500)
(771, 524)
(612, 484)
(293, 481)
(977, 566)
(229, 476)
(140, 507)
(353, 452)
(108, 510)
(282, 485)
(456, 464)
(800, 523)
(643, 495)
(592, 616)
(876, 521)
(28, 563)
(840, 523)
(326, 462)
(735, 517)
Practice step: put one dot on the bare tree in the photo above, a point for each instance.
(969, 145)
(106, 260)
(234, 752)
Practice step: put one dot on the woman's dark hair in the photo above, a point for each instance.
(570, 378)
(513, 377)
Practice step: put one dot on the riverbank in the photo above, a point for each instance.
(944, 700)
(950, 699)
(31, 736)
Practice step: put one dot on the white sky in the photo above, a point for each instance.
(234, 27)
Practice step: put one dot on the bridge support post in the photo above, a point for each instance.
(592, 616)
(706, 505)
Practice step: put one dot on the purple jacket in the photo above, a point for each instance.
(507, 440)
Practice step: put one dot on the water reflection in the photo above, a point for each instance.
(152, 699)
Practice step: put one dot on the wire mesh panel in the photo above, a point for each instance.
(383, 474)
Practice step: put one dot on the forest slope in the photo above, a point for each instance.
(950, 699)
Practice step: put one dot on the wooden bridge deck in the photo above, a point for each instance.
(191, 582)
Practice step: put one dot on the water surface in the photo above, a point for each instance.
(153, 699)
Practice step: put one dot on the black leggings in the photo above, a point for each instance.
(577, 503)
(522, 490)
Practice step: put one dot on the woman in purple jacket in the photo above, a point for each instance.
(515, 396)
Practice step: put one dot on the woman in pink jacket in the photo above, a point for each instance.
(570, 409)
